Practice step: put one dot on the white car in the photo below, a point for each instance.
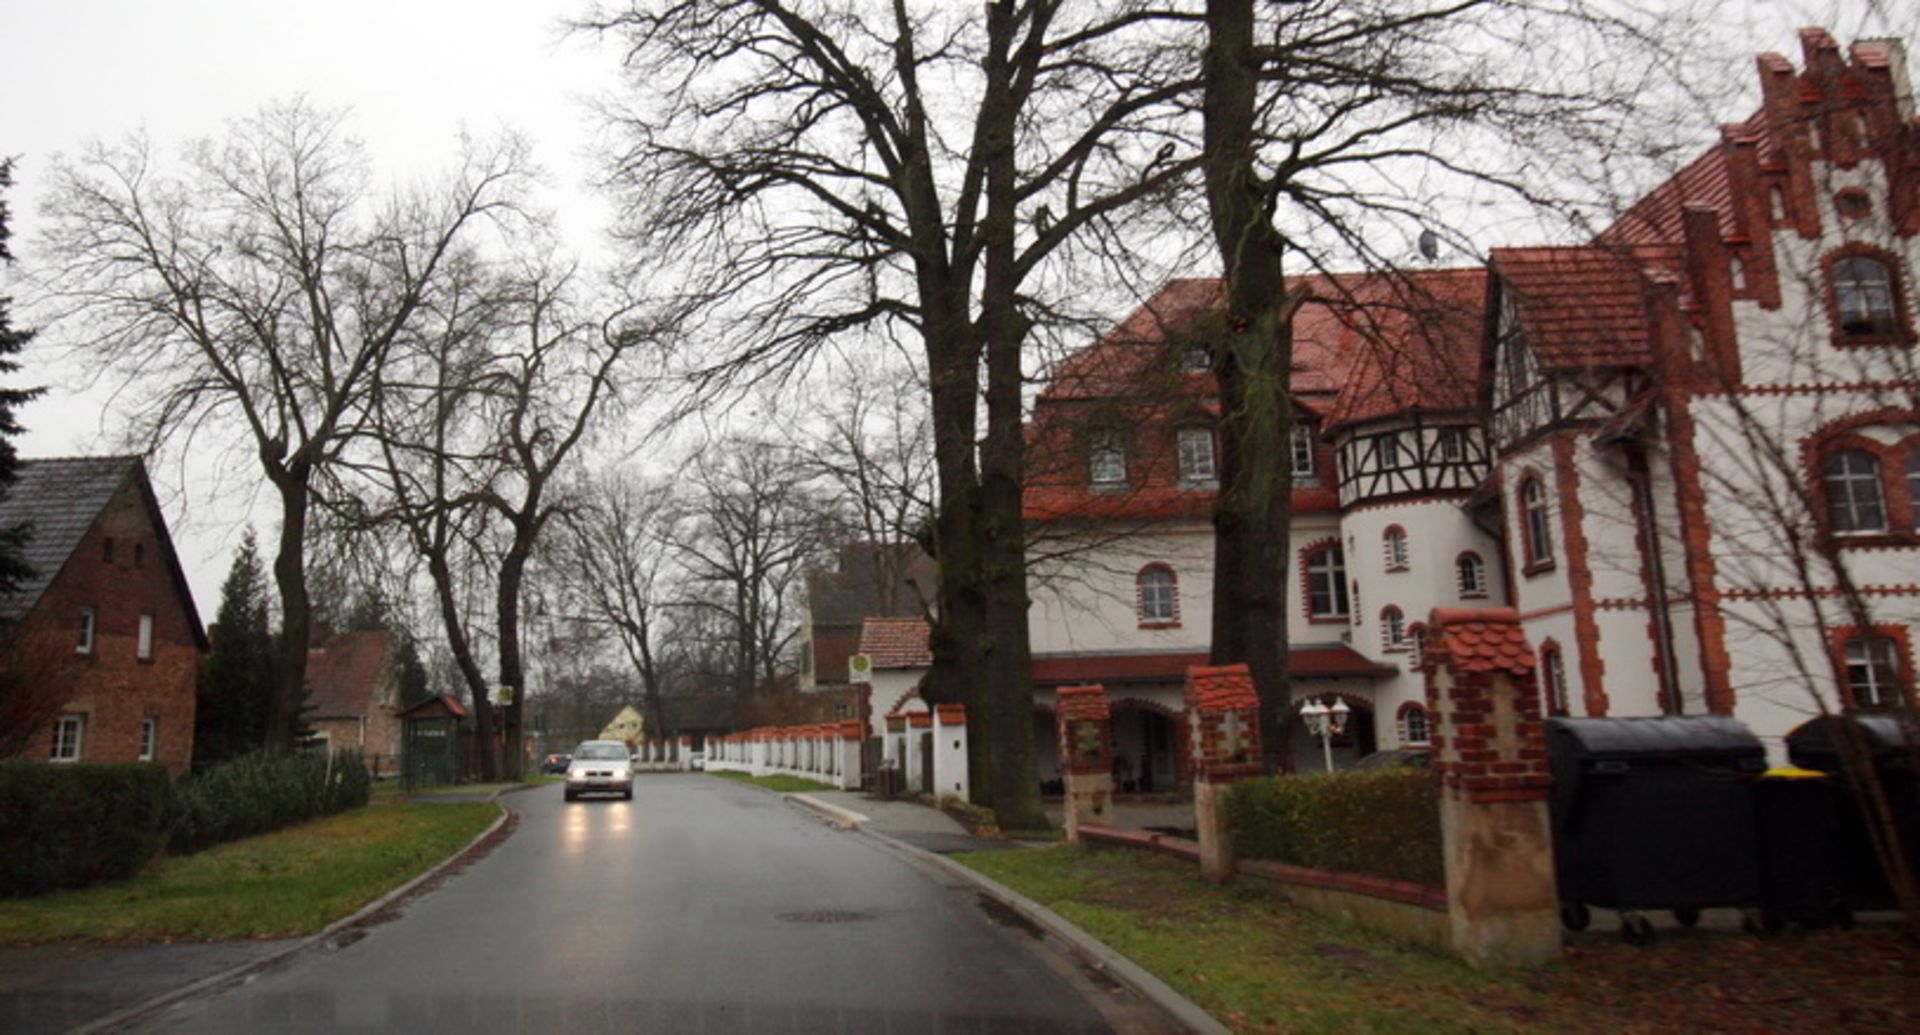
(600, 767)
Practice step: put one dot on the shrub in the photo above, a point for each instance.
(68, 826)
(1382, 824)
(258, 793)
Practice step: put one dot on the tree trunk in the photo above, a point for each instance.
(513, 568)
(462, 651)
(1252, 360)
(296, 609)
(1015, 789)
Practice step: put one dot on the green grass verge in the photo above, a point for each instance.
(1252, 960)
(284, 884)
(780, 782)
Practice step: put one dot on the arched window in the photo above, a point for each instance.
(1873, 671)
(1533, 514)
(1864, 296)
(1106, 460)
(1393, 628)
(1395, 544)
(1158, 593)
(1553, 679)
(1413, 724)
(1195, 454)
(1326, 583)
(1470, 572)
(1417, 639)
(1855, 502)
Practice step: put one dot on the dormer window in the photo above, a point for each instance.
(1107, 461)
(1196, 455)
(1301, 439)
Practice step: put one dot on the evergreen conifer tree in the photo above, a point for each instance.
(237, 680)
(13, 566)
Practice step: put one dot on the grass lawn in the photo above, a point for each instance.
(1261, 965)
(290, 882)
(780, 782)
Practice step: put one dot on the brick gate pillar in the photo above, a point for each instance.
(1085, 725)
(1490, 754)
(1223, 722)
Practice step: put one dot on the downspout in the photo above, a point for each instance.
(1642, 482)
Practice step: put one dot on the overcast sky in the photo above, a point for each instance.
(413, 73)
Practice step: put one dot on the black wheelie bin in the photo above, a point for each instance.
(1653, 813)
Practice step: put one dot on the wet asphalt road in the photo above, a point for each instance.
(702, 906)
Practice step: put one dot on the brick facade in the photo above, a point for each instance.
(113, 689)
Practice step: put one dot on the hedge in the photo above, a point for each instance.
(255, 794)
(71, 825)
(1381, 824)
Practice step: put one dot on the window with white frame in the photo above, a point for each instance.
(1197, 359)
(1393, 629)
(83, 642)
(1553, 680)
(68, 733)
(1451, 447)
(1394, 542)
(1413, 724)
(1158, 594)
(1387, 448)
(1327, 583)
(149, 738)
(1913, 485)
(143, 647)
(1302, 439)
(1855, 503)
(1863, 296)
(1196, 455)
(1470, 572)
(1417, 640)
(1873, 671)
(1107, 460)
(1533, 511)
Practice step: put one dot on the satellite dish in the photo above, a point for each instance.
(1429, 245)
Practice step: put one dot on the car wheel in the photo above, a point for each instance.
(627, 796)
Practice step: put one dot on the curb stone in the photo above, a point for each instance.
(140, 1011)
(845, 819)
(1088, 948)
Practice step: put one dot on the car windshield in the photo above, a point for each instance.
(601, 752)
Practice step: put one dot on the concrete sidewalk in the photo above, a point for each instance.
(921, 826)
(53, 988)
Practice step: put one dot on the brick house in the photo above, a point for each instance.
(110, 600)
(353, 696)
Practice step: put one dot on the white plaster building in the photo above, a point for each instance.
(1671, 449)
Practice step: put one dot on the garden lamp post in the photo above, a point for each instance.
(1325, 723)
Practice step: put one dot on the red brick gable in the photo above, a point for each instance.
(349, 673)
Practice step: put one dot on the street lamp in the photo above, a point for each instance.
(1325, 723)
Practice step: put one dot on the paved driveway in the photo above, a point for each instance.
(702, 906)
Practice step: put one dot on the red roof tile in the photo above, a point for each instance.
(1579, 306)
(1419, 347)
(1221, 688)
(1083, 702)
(896, 642)
(348, 672)
(1329, 662)
(1480, 641)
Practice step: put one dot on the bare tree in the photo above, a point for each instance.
(614, 559)
(839, 169)
(260, 287)
(746, 531)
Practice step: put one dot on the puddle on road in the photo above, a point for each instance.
(1007, 916)
(827, 916)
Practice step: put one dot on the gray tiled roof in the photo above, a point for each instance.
(60, 498)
